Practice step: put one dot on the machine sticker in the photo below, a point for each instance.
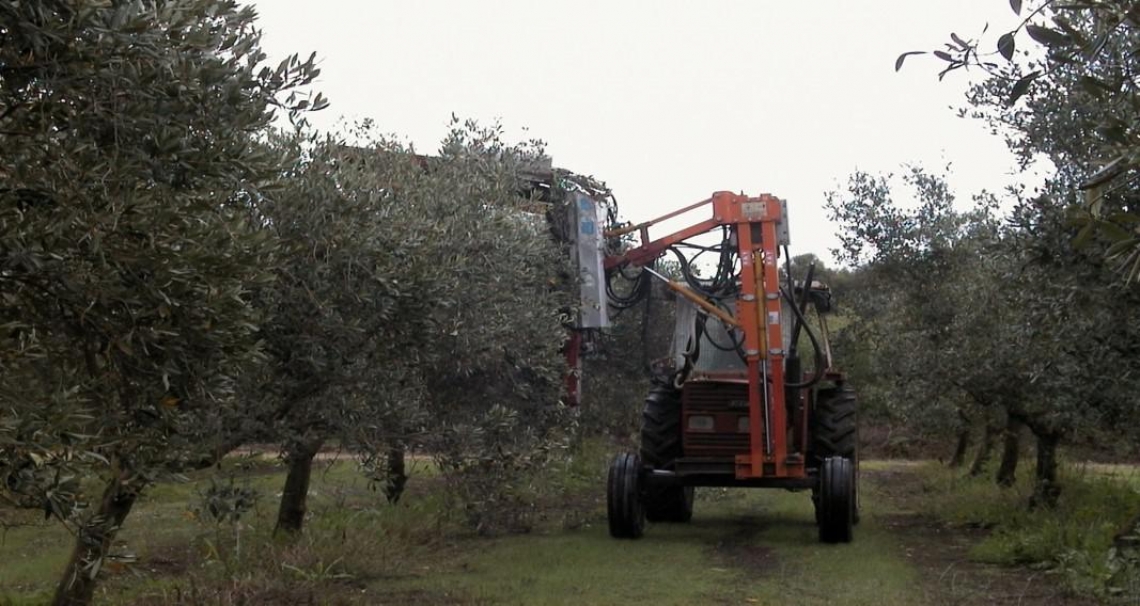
(754, 210)
(773, 317)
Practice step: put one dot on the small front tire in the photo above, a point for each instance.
(624, 506)
(835, 511)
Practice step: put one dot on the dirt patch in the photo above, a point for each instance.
(259, 592)
(941, 554)
(740, 549)
(171, 561)
(425, 598)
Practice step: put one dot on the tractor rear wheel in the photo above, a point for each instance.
(660, 448)
(836, 509)
(834, 432)
(833, 423)
(623, 497)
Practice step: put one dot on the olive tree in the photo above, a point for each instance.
(501, 321)
(343, 321)
(131, 156)
(416, 303)
(903, 298)
(965, 326)
(990, 313)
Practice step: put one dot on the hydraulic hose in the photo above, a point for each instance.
(819, 358)
(638, 291)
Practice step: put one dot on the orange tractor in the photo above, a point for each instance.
(734, 408)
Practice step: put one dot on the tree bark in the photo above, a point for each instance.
(93, 542)
(960, 449)
(1010, 453)
(397, 474)
(295, 495)
(1046, 489)
(985, 450)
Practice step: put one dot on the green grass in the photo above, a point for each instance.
(1127, 474)
(1074, 538)
(164, 530)
(744, 546)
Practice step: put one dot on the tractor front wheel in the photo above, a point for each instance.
(835, 510)
(624, 508)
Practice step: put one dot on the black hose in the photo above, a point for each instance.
(819, 358)
(737, 344)
(719, 287)
(802, 306)
(638, 291)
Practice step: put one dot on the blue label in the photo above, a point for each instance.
(587, 227)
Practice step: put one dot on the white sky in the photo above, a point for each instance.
(666, 101)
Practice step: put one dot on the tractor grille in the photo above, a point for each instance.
(726, 403)
(709, 445)
(715, 396)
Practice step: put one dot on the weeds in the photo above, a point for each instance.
(1075, 538)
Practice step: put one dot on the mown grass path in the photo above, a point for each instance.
(742, 547)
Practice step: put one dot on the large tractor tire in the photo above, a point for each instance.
(660, 448)
(624, 506)
(836, 509)
(833, 423)
(834, 433)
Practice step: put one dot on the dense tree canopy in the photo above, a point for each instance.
(959, 315)
(414, 297)
(127, 249)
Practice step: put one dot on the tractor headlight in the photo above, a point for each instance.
(701, 423)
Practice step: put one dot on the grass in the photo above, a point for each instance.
(1075, 538)
(743, 546)
(167, 538)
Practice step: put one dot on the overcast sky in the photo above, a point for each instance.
(666, 101)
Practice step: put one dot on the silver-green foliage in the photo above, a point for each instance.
(418, 301)
(961, 310)
(127, 251)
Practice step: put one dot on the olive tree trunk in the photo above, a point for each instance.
(1046, 489)
(397, 474)
(961, 447)
(93, 542)
(1010, 453)
(294, 498)
(985, 452)
(962, 444)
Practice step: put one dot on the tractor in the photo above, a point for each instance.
(733, 406)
